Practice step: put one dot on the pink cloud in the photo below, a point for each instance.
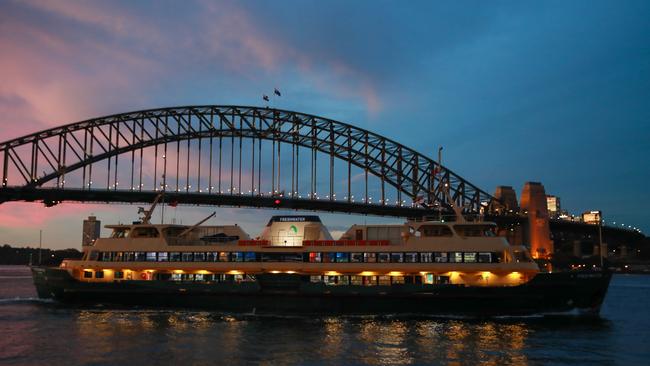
(36, 215)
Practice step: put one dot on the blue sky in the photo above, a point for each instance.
(550, 91)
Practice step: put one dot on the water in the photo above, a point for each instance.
(40, 332)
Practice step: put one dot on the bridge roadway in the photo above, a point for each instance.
(53, 196)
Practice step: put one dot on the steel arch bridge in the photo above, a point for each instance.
(231, 155)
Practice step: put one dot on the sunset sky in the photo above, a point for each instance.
(515, 91)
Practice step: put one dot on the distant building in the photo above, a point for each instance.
(553, 206)
(591, 217)
(91, 229)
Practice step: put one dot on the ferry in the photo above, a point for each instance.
(429, 267)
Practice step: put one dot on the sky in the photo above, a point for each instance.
(515, 91)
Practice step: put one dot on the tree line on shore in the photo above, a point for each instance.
(25, 256)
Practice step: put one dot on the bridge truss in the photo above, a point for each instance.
(235, 155)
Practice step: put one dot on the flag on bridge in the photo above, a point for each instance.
(277, 92)
(265, 97)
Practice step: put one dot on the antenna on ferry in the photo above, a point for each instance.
(146, 219)
(197, 224)
(457, 210)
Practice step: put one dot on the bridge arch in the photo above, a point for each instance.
(32, 161)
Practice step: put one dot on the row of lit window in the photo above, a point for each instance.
(313, 257)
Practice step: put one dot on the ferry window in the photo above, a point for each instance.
(224, 257)
(199, 257)
(162, 256)
(99, 274)
(384, 280)
(119, 275)
(369, 280)
(237, 257)
(329, 257)
(397, 280)
(456, 257)
(426, 257)
(315, 279)
(250, 257)
(342, 257)
(151, 256)
(88, 274)
(117, 256)
(435, 230)
(199, 277)
(129, 256)
(175, 257)
(107, 256)
(176, 277)
(410, 257)
(474, 230)
(173, 231)
(484, 257)
(383, 258)
(521, 256)
(144, 232)
(119, 233)
(187, 257)
(93, 255)
(441, 257)
(331, 280)
(469, 257)
(397, 257)
(140, 256)
(212, 256)
(497, 257)
(356, 257)
(370, 257)
(344, 280)
(356, 280)
(314, 257)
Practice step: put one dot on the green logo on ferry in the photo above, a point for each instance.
(294, 229)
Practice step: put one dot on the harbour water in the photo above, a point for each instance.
(36, 332)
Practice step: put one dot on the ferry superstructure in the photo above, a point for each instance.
(295, 266)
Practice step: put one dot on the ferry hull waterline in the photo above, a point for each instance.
(575, 293)
(294, 266)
